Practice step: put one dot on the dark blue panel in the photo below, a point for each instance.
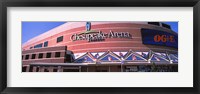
(157, 37)
(84, 59)
(173, 58)
(96, 56)
(106, 58)
(134, 57)
(46, 44)
(38, 46)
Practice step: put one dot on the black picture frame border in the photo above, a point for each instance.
(103, 3)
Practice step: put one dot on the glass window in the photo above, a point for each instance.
(55, 70)
(40, 55)
(33, 56)
(37, 69)
(46, 70)
(60, 39)
(46, 44)
(48, 55)
(27, 57)
(68, 58)
(24, 69)
(38, 46)
(57, 54)
(22, 57)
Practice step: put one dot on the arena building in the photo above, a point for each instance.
(103, 47)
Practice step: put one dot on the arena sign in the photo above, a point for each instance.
(99, 36)
(156, 37)
(94, 35)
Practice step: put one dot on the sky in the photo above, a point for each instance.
(33, 29)
(174, 25)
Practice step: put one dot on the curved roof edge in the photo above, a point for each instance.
(68, 26)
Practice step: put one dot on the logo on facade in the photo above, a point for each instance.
(98, 35)
(88, 26)
(164, 38)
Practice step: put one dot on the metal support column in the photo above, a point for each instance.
(109, 68)
(121, 68)
(79, 68)
(87, 68)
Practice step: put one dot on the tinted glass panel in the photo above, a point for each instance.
(38, 46)
(68, 58)
(37, 69)
(33, 56)
(40, 55)
(27, 57)
(46, 44)
(48, 55)
(59, 39)
(57, 54)
(54, 70)
(23, 69)
(46, 70)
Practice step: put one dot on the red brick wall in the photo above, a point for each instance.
(52, 59)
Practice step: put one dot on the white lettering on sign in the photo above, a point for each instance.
(100, 36)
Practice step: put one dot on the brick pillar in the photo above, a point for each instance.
(41, 69)
(50, 69)
(60, 69)
(27, 68)
(34, 68)
(79, 68)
